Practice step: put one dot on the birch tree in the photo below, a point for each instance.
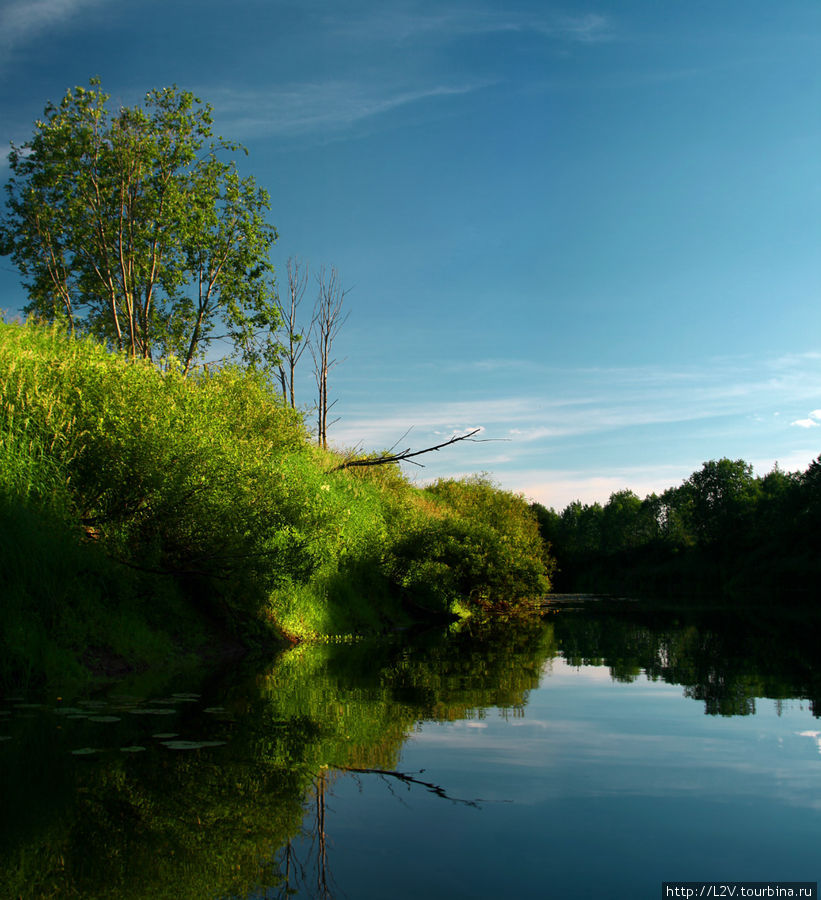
(133, 226)
(296, 338)
(329, 318)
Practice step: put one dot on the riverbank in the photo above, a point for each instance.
(143, 515)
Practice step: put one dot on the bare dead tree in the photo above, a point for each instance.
(296, 338)
(327, 320)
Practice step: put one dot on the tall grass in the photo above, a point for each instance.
(209, 488)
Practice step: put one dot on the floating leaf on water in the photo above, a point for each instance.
(187, 696)
(70, 711)
(28, 705)
(191, 745)
(78, 716)
(134, 748)
(92, 704)
(166, 735)
(215, 709)
(104, 719)
(5, 737)
(85, 751)
(152, 712)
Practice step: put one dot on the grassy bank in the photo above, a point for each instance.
(142, 514)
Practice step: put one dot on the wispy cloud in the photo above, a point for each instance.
(22, 21)
(399, 26)
(334, 105)
(588, 400)
(374, 87)
(590, 28)
(730, 406)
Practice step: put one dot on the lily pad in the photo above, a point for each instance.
(69, 711)
(92, 704)
(142, 711)
(187, 696)
(191, 745)
(104, 719)
(85, 751)
(215, 709)
(165, 736)
(5, 737)
(134, 748)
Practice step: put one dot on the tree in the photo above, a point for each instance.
(328, 319)
(724, 494)
(296, 337)
(627, 523)
(130, 225)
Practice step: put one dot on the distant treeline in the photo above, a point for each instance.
(722, 531)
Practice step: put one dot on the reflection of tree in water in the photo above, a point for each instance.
(224, 821)
(311, 874)
(725, 659)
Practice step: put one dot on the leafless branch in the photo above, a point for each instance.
(328, 319)
(406, 455)
(297, 338)
(410, 780)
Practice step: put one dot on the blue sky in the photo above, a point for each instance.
(592, 229)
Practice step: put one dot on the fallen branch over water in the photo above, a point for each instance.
(405, 455)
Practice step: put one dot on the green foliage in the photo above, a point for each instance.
(216, 822)
(481, 550)
(724, 493)
(208, 487)
(721, 530)
(65, 603)
(129, 225)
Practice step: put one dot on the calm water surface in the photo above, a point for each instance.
(595, 754)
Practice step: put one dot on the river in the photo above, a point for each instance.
(604, 750)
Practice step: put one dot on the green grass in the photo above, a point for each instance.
(138, 505)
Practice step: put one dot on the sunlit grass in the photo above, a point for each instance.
(132, 495)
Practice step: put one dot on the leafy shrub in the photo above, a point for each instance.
(483, 550)
(210, 486)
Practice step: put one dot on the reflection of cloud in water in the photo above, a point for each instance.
(559, 669)
(559, 757)
(561, 672)
(815, 735)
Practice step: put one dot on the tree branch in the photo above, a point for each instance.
(409, 780)
(404, 455)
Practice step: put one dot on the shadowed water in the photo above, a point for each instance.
(598, 752)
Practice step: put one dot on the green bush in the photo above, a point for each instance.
(480, 550)
(210, 486)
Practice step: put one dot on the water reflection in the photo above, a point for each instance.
(725, 658)
(221, 789)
